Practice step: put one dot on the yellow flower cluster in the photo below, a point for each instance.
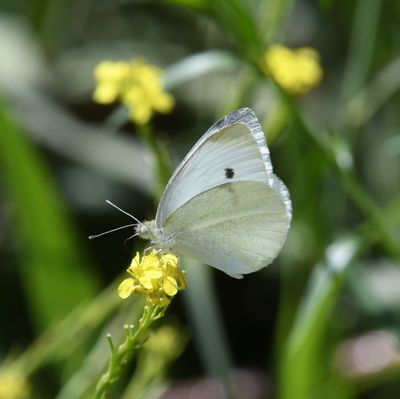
(157, 276)
(297, 71)
(137, 84)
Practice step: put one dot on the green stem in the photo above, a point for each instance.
(121, 355)
(135, 338)
(362, 44)
(272, 17)
(161, 155)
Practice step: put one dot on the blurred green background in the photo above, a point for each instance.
(323, 321)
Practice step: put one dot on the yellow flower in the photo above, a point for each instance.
(137, 84)
(157, 276)
(110, 77)
(13, 385)
(297, 71)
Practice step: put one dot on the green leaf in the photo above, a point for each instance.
(304, 358)
(55, 273)
(198, 65)
(362, 44)
(370, 99)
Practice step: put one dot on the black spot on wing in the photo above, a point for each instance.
(229, 173)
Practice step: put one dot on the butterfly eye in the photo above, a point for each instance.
(229, 173)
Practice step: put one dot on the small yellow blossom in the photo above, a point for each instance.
(298, 71)
(157, 276)
(13, 385)
(137, 84)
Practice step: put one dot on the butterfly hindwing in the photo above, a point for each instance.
(237, 227)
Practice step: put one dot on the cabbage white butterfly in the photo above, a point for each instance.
(223, 205)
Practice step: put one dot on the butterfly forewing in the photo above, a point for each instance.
(236, 143)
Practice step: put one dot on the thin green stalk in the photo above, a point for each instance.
(362, 44)
(164, 345)
(362, 41)
(374, 95)
(161, 155)
(122, 354)
(272, 16)
(346, 172)
(305, 344)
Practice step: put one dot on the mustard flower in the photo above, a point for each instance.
(298, 71)
(157, 276)
(137, 84)
(13, 384)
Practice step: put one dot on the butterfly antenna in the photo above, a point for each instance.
(118, 228)
(121, 210)
(111, 231)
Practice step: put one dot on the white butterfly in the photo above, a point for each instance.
(223, 205)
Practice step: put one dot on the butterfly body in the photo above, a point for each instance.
(223, 205)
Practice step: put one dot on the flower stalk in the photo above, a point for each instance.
(158, 277)
(162, 157)
(121, 355)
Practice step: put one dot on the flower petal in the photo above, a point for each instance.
(126, 288)
(147, 283)
(170, 286)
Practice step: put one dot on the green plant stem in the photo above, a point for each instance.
(121, 355)
(161, 155)
(362, 43)
(305, 344)
(272, 16)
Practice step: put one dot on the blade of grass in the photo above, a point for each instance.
(362, 42)
(272, 17)
(55, 273)
(374, 95)
(197, 65)
(299, 377)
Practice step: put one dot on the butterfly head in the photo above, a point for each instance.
(146, 230)
(158, 237)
